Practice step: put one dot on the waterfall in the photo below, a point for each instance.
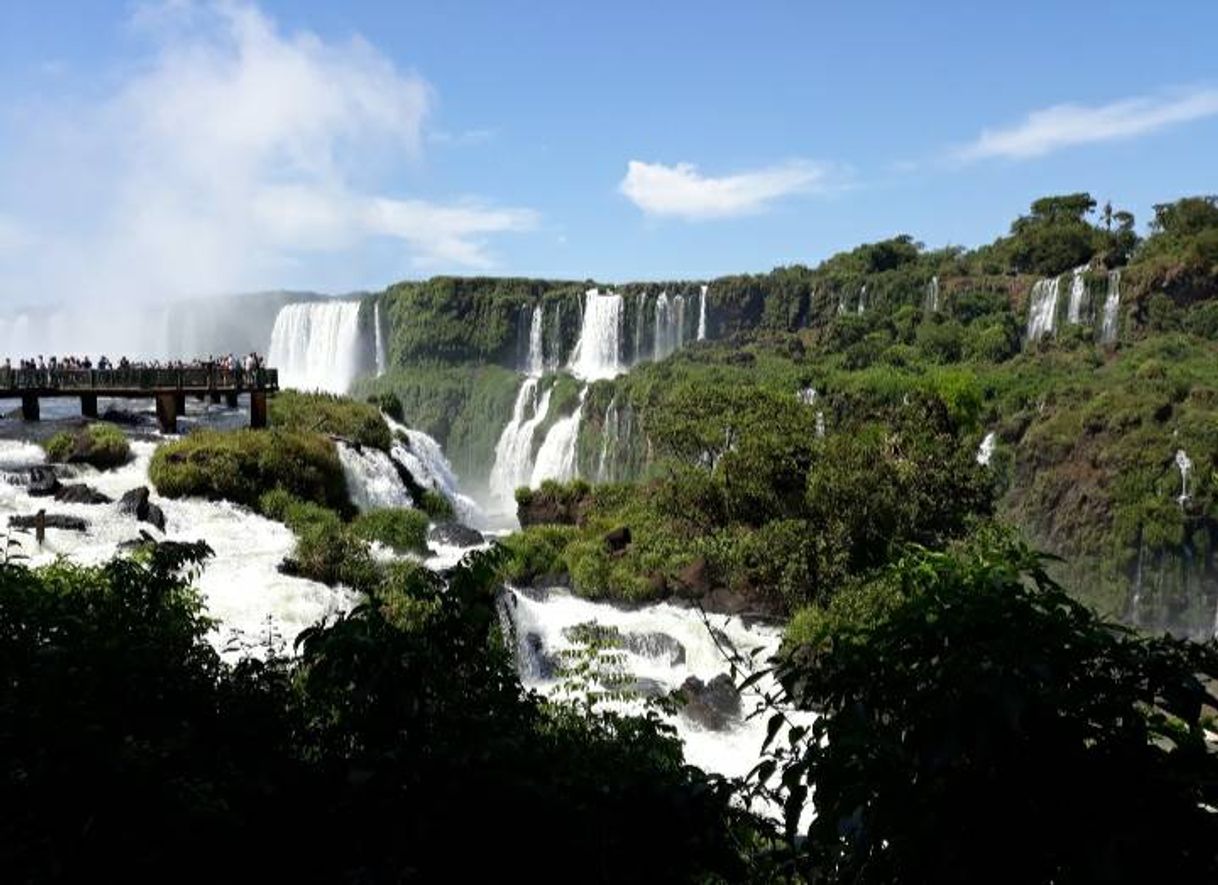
(380, 339)
(425, 459)
(372, 480)
(315, 345)
(597, 353)
(1042, 309)
(536, 363)
(514, 451)
(609, 440)
(1112, 304)
(679, 322)
(1185, 463)
(841, 303)
(702, 315)
(986, 450)
(932, 295)
(638, 327)
(660, 339)
(808, 396)
(1078, 295)
(862, 299)
(557, 457)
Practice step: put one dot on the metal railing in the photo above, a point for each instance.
(201, 378)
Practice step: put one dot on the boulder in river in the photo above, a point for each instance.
(455, 534)
(136, 502)
(79, 493)
(714, 705)
(42, 482)
(653, 644)
(50, 521)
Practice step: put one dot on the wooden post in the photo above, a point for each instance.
(230, 399)
(179, 403)
(88, 405)
(29, 407)
(257, 409)
(167, 412)
(215, 399)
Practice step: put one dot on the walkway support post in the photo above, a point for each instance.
(167, 412)
(180, 403)
(230, 399)
(88, 405)
(29, 407)
(258, 409)
(215, 399)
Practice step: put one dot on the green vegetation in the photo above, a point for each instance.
(241, 466)
(402, 530)
(336, 415)
(100, 445)
(435, 505)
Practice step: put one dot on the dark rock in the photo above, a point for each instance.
(155, 516)
(79, 493)
(50, 521)
(648, 688)
(455, 534)
(723, 601)
(136, 502)
(618, 540)
(714, 705)
(592, 633)
(695, 578)
(655, 645)
(42, 482)
(535, 661)
(123, 417)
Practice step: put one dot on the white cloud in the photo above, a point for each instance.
(228, 158)
(1066, 125)
(683, 192)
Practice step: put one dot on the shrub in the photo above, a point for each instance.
(535, 555)
(326, 413)
(101, 445)
(402, 530)
(435, 505)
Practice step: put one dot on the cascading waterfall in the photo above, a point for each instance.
(638, 327)
(808, 396)
(679, 322)
(556, 459)
(315, 345)
(597, 353)
(862, 299)
(372, 480)
(536, 363)
(425, 459)
(513, 465)
(932, 295)
(702, 315)
(609, 441)
(841, 303)
(660, 339)
(380, 339)
(1078, 295)
(1042, 310)
(1112, 305)
(554, 360)
(1185, 464)
(986, 450)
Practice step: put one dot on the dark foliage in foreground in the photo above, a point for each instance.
(399, 745)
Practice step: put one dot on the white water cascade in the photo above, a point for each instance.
(513, 465)
(985, 451)
(1185, 465)
(659, 345)
(862, 299)
(556, 459)
(1078, 295)
(808, 396)
(702, 315)
(315, 345)
(380, 339)
(638, 326)
(609, 442)
(536, 362)
(597, 353)
(372, 479)
(678, 336)
(425, 459)
(1042, 310)
(932, 295)
(1112, 306)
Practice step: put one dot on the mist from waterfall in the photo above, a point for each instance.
(597, 353)
(1112, 306)
(316, 345)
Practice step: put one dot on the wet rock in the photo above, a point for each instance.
(454, 534)
(50, 521)
(535, 660)
(79, 493)
(42, 482)
(136, 503)
(618, 540)
(714, 705)
(656, 645)
(648, 688)
(695, 578)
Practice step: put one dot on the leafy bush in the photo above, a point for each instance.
(402, 530)
(241, 466)
(327, 413)
(101, 445)
(435, 505)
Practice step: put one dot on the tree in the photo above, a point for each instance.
(977, 724)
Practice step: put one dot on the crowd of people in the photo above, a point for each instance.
(251, 362)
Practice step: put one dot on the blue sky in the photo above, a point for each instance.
(190, 147)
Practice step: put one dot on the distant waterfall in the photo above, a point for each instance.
(424, 458)
(597, 353)
(1042, 309)
(609, 442)
(555, 358)
(536, 362)
(862, 299)
(638, 327)
(659, 345)
(679, 322)
(514, 452)
(1112, 305)
(702, 315)
(1078, 295)
(557, 457)
(808, 396)
(1185, 464)
(986, 450)
(372, 480)
(932, 295)
(380, 339)
(315, 346)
